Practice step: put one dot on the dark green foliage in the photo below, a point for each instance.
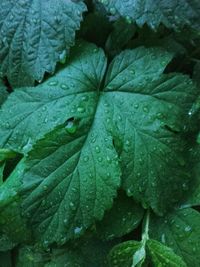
(99, 133)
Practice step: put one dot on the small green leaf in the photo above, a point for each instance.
(180, 231)
(163, 256)
(124, 216)
(122, 255)
(35, 36)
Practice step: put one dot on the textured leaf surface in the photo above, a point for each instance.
(163, 256)
(193, 199)
(3, 92)
(71, 93)
(180, 231)
(124, 216)
(122, 254)
(173, 13)
(34, 35)
(134, 80)
(135, 117)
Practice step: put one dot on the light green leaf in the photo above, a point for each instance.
(173, 14)
(124, 216)
(180, 231)
(3, 92)
(163, 256)
(34, 36)
(122, 255)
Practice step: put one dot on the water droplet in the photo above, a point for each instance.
(80, 109)
(97, 149)
(85, 159)
(113, 10)
(84, 98)
(100, 159)
(132, 71)
(72, 206)
(188, 229)
(145, 109)
(71, 127)
(62, 57)
(53, 83)
(64, 86)
(136, 106)
(78, 230)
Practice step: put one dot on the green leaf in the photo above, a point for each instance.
(124, 216)
(163, 256)
(30, 113)
(85, 253)
(180, 231)
(194, 197)
(147, 118)
(13, 228)
(136, 117)
(32, 257)
(122, 255)
(35, 36)
(119, 37)
(3, 92)
(173, 14)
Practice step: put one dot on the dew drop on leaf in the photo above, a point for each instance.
(53, 83)
(71, 126)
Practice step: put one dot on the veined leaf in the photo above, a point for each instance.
(122, 255)
(173, 14)
(136, 117)
(163, 256)
(35, 35)
(180, 231)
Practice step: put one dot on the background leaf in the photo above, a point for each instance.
(163, 256)
(180, 231)
(34, 36)
(124, 216)
(173, 14)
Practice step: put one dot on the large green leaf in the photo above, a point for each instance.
(124, 216)
(180, 231)
(136, 117)
(34, 36)
(163, 256)
(173, 14)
